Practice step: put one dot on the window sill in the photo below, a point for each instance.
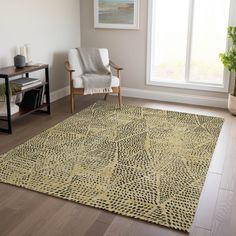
(192, 86)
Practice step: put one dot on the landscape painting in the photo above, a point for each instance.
(121, 14)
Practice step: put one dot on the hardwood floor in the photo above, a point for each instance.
(26, 213)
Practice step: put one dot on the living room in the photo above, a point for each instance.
(117, 117)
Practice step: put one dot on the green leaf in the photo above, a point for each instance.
(3, 91)
(229, 57)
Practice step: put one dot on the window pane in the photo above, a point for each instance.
(170, 39)
(209, 39)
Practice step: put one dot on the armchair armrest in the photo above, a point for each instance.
(113, 65)
(67, 66)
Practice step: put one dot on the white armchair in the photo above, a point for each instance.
(75, 70)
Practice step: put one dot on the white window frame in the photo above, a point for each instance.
(185, 84)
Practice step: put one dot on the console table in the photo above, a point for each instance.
(8, 72)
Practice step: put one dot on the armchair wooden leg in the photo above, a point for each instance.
(119, 98)
(105, 98)
(72, 103)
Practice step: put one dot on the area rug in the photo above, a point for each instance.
(138, 162)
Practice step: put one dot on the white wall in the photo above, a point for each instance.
(129, 49)
(51, 27)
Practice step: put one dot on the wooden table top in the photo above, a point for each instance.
(11, 71)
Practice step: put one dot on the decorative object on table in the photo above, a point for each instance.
(75, 71)
(19, 61)
(25, 51)
(139, 162)
(3, 106)
(229, 61)
(116, 14)
(28, 55)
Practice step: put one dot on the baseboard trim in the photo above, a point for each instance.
(175, 97)
(157, 95)
(60, 93)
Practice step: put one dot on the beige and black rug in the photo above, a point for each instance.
(144, 163)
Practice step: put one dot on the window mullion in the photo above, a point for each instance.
(189, 40)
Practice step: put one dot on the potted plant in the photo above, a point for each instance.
(229, 60)
(3, 105)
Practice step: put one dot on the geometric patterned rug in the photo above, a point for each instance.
(138, 162)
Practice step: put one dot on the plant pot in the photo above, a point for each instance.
(3, 107)
(232, 104)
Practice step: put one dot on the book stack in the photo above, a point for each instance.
(33, 99)
(25, 83)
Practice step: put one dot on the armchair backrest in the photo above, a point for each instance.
(76, 64)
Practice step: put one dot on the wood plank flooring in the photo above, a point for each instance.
(26, 213)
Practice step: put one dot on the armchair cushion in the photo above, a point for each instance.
(76, 64)
(78, 82)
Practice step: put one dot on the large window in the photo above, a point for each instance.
(185, 39)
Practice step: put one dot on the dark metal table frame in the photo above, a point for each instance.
(8, 72)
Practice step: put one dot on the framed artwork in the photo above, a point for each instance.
(116, 14)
